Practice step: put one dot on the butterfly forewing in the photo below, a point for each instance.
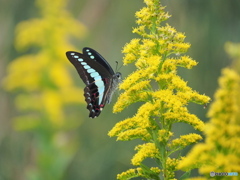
(97, 57)
(97, 74)
(87, 68)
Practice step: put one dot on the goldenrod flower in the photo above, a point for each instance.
(157, 56)
(145, 151)
(44, 87)
(44, 75)
(220, 152)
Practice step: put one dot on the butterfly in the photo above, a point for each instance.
(99, 77)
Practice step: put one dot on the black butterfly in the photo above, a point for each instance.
(99, 77)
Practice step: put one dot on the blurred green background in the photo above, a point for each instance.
(82, 149)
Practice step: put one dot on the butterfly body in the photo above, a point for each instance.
(98, 76)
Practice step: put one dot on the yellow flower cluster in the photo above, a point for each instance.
(43, 78)
(220, 152)
(171, 167)
(184, 141)
(145, 151)
(139, 172)
(198, 178)
(164, 94)
(44, 89)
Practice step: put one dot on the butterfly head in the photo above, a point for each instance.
(117, 77)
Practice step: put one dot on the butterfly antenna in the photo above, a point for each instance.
(117, 66)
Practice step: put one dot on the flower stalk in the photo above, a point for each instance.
(157, 54)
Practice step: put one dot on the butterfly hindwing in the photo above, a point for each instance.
(94, 103)
(97, 74)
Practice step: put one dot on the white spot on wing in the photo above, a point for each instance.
(94, 74)
(87, 50)
(98, 78)
(80, 59)
(92, 57)
(89, 53)
(83, 63)
(86, 67)
(72, 53)
(91, 70)
(76, 56)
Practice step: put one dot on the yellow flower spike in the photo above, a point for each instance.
(147, 44)
(148, 150)
(198, 178)
(121, 126)
(126, 98)
(180, 36)
(136, 133)
(133, 79)
(155, 169)
(180, 84)
(165, 77)
(131, 47)
(163, 93)
(186, 62)
(181, 47)
(43, 87)
(169, 65)
(149, 2)
(139, 172)
(129, 58)
(171, 164)
(120, 105)
(185, 140)
(139, 30)
(220, 151)
(127, 174)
